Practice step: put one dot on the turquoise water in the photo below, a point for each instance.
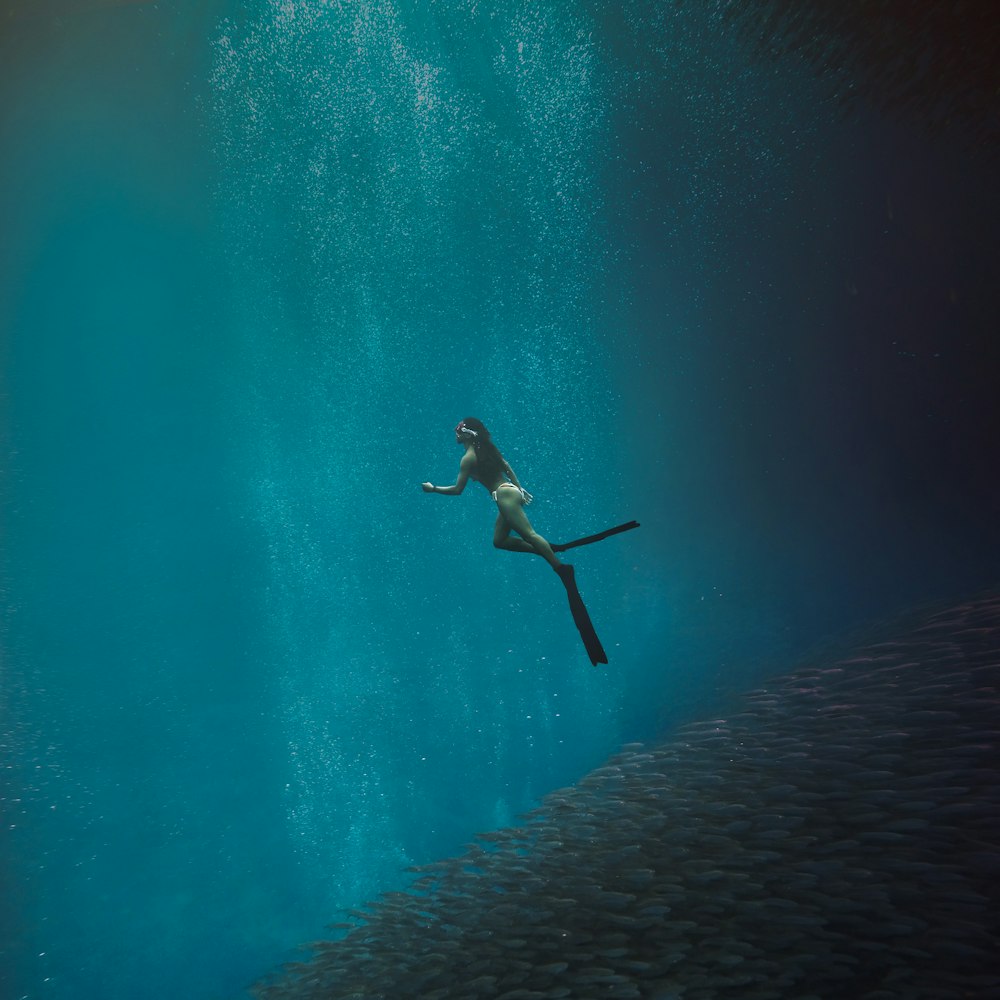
(259, 260)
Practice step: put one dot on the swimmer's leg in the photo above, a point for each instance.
(502, 539)
(512, 517)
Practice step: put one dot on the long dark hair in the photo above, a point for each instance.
(490, 464)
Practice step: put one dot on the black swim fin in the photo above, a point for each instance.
(580, 616)
(589, 539)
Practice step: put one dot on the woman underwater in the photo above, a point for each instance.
(483, 462)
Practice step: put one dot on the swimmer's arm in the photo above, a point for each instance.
(464, 470)
(511, 475)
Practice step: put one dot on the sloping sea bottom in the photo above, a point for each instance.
(836, 836)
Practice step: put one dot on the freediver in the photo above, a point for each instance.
(484, 463)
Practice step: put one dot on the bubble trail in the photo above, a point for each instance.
(837, 835)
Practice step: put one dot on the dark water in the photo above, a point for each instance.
(258, 260)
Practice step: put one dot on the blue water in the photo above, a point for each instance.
(258, 260)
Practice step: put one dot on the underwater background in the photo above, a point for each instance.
(258, 259)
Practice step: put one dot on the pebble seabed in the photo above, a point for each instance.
(837, 836)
